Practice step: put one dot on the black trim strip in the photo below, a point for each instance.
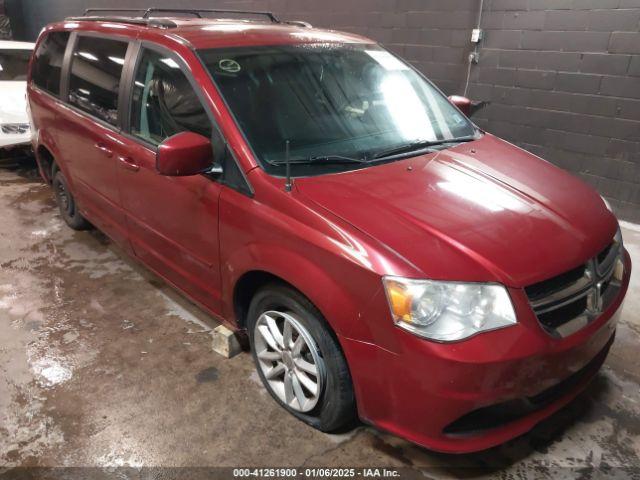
(63, 94)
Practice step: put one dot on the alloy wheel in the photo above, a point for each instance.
(289, 360)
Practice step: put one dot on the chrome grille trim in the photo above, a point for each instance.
(574, 304)
(608, 262)
(15, 128)
(561, 297)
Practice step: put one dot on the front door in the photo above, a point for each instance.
(172, 221)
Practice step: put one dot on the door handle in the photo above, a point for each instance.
(128, 163)
(104, 149)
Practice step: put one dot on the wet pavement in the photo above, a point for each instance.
(102, 364)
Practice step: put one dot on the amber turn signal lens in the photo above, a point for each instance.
(400, 301)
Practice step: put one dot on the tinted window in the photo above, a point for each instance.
(13, 64)
(47, 63)
(95, 76)
(164, 103)
(355, 101)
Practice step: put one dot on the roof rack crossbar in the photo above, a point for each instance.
(149, 11)
(146, 13)
(149, 22)
(90, 11)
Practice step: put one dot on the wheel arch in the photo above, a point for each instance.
(245, 289)
(47, 155)
(46, 162)
(264, 264)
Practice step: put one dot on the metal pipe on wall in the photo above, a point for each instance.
(473, 56)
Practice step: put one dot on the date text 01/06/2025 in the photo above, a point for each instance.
(315, 473)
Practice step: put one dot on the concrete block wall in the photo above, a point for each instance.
(562, 77)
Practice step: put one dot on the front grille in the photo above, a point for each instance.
(543, 289)
(557, 317)
(602, 256)
(501, 414)
(568, 302)
(15, 128)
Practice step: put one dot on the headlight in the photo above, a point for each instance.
(448, 311)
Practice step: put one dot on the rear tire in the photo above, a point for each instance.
(309, 347)
(67, 204)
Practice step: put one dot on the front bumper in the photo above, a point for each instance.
(429, 392)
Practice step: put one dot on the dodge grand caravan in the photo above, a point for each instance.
(388, 260)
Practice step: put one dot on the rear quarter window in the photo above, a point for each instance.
(94, 80)
(47, 62)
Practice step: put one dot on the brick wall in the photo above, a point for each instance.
(562, 76)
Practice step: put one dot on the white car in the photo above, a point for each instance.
(15, 130)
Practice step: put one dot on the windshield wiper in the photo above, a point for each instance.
(320, 159)
(418, 145)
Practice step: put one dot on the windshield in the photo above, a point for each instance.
(13, 64)
(338, 105)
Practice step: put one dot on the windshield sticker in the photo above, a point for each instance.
(229, 65)
(388, 61)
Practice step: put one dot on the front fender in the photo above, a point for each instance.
(337, 267)
(322, 285)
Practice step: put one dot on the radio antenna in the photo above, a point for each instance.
(288, 184)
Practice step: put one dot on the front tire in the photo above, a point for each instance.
(299, 360)
(67, 204)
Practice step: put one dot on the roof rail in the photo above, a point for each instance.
(197, 12)
(149, 22)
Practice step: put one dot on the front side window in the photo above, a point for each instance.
(163, 101)
(332, 103)
(13, 64)
(94, 81)
(47, 62)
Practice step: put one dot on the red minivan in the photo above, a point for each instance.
(388, 259)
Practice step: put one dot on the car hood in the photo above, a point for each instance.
(481, 211)
(13, 102)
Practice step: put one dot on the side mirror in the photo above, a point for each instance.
(184, 154)
(463, 104)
